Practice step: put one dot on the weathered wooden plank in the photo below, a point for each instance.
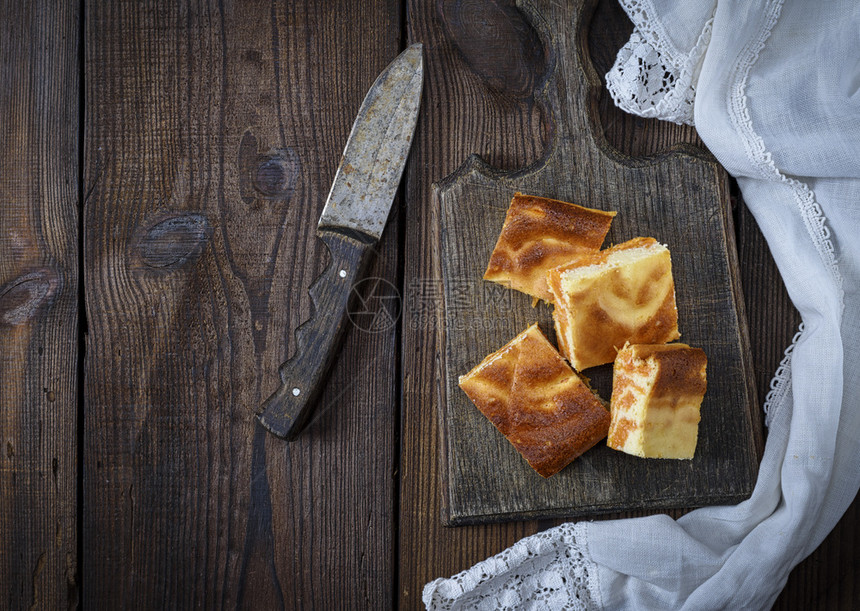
(462, 113)
(39, 69)
(682, 200)
(213, 135)
(469, 115)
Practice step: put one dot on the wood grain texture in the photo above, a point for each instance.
(464, 116)
(193, 108)
(318, 339)
(38, 303)
(629, 134)
(682, 200)
(460, 115)
(214, 130)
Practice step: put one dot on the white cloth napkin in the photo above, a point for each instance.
(773, 88)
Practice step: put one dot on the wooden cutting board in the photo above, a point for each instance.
(681, 199)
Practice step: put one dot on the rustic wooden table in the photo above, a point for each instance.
(162, 167)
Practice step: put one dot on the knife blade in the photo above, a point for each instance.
(351, 222)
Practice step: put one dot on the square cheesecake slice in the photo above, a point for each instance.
(657, 393)
(533, 397)
(539, 234)
(622, 294)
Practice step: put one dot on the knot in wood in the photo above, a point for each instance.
(274, 177)
(21, 298)
(269, 175)
(173, 241)
(498, 43)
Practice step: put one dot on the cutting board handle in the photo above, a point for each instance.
(546, 64)
(535, 55)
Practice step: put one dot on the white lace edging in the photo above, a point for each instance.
(650, 77)
(810, 210)
(779, 384)
(813, 216)
(544, 571)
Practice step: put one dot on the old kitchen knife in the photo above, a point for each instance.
(351, 223)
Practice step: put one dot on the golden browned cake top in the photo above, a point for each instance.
(680, 368)
(657, 392)
(622, 294)
(539, 234)
(537, 401)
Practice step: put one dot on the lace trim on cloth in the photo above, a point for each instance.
(650, 77)
(779, 383)
(762, 160)
(544, 571)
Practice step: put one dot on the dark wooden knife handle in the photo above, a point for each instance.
(319, 338)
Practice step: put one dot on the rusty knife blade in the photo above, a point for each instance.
(375, 154)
